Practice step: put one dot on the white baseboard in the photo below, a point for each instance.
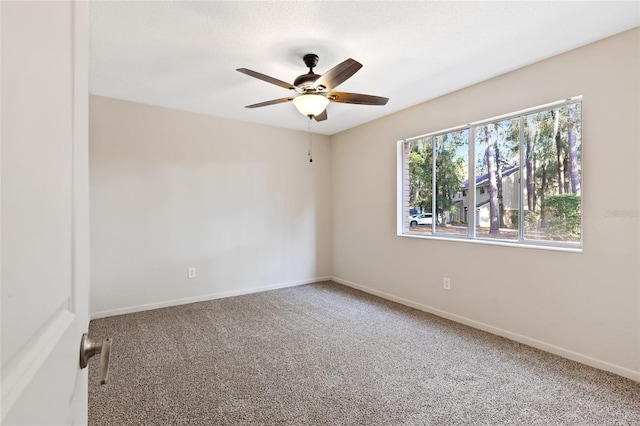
(538, 344)
(203, 298)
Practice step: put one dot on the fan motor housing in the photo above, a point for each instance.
(305, 81)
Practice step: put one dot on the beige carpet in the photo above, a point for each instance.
(324, 354)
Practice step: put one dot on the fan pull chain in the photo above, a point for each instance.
(309, 152)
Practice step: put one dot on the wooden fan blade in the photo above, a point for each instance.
(272, 102)
(267, 78)
(356, 98)
(322, 116)
(337, 75)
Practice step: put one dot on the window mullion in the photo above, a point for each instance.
(434, 213)
(521, 220)
(471, 187)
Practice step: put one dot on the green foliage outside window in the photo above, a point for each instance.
(531, 220)
(562, 216)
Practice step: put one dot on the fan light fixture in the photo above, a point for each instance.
(311, 105)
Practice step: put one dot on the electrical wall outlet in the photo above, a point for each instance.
(191, 272)
(446, 283)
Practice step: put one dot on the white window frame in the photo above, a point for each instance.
(402, 226)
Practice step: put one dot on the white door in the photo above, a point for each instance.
(44, 211)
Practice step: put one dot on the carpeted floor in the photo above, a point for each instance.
(325, 354)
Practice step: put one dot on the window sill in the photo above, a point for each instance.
(566, 249)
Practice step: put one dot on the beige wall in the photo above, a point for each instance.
(170, 190)
(584, 306)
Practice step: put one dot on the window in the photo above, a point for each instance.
(525, 186)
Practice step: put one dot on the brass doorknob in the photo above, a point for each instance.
(89, 348)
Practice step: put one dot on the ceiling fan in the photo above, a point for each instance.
(315, 91)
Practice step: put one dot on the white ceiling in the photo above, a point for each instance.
(184, 55)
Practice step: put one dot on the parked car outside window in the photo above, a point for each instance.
(421, 219)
